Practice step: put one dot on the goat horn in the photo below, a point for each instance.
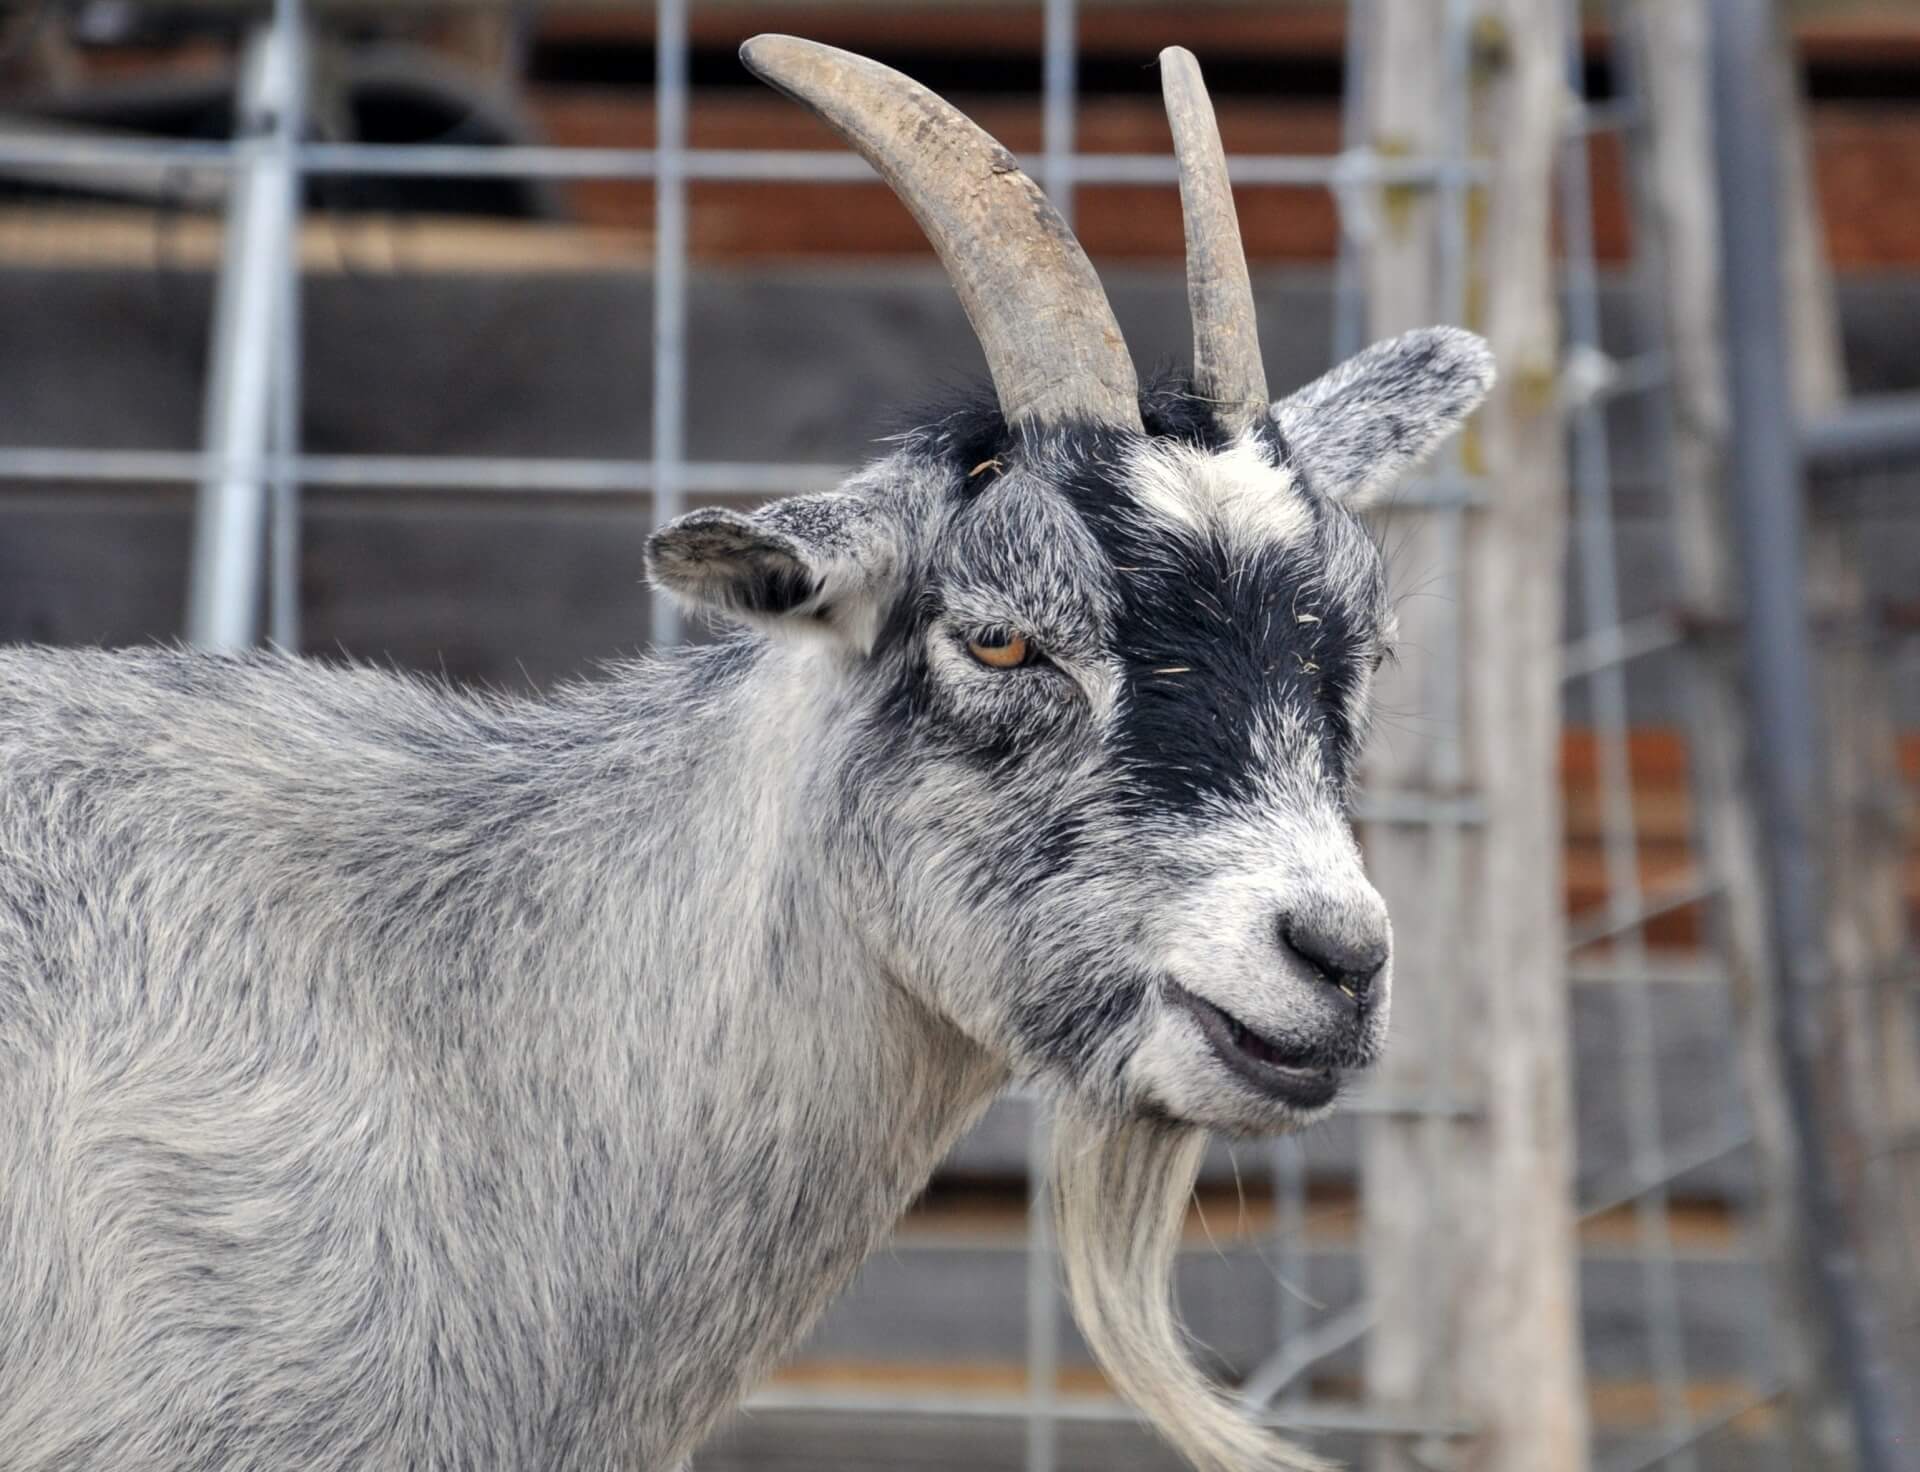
(1050, 338)
(1226, 342)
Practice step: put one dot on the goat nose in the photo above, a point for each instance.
(1346, 957)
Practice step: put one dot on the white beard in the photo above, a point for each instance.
(1121, 1189)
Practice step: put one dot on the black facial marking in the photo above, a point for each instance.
(1351, 643)
(1217, 642)
(899, 664)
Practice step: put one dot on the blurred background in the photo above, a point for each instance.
(388, 330)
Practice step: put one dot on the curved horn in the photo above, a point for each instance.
(1226, 343)
(1042, 318)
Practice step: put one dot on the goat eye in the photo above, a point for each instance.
(1000, 649)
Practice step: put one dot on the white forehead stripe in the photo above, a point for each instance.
(1235, 493)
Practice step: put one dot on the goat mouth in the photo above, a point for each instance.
(1295, 1076)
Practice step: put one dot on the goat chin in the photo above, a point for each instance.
(1121, 1188)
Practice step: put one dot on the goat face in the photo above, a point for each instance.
(1088, 709)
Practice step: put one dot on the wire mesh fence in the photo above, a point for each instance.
(1678, 1313)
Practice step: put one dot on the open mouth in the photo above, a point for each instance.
(1291, 1075)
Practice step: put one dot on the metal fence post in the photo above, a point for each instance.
(669, 284)
(1766, 475)
(223, 599)
(283, 582)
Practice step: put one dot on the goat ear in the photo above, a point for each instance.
(806, 564)
(1358, 428)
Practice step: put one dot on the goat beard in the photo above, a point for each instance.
(1121, 1188)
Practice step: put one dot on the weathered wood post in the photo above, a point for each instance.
(1470, 1241)
(1873, 991)
(1679, 212)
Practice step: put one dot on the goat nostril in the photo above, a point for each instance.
(1349, 963)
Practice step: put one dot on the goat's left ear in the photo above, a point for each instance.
(808, 564)
(1358, 428)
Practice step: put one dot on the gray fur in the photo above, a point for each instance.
(408, 1078)
(401, 1079)
(1362, 426)
(398, 1077)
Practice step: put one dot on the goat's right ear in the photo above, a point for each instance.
(1358, 429)
(808, 564)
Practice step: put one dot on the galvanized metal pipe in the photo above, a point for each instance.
(1882, 427)
(562, 475)
(669, 286)
(283, 540)
(1411, 1421)
(769, 165)
(283, 580)
(1766, 477)
(230, 516)
(492, 474)
(1043, 1308)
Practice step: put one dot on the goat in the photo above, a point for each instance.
(400, 1077)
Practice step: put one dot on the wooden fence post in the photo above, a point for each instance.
(1679, 210)
(1471, 1247)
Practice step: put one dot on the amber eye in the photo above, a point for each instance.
(999, 649)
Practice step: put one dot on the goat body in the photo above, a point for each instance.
(510, 1111)
(402, 1078)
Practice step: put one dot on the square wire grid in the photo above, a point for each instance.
(251, 474)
